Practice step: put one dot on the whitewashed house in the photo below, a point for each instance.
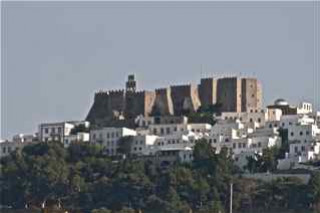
(78, 137)
(108, 137)
(54, 131)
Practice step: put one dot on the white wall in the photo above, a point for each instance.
(108, 137)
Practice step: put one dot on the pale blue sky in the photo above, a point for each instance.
(56, 55)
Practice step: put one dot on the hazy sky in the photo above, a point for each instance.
(56, 55)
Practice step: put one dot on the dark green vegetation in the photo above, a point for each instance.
(85, 179)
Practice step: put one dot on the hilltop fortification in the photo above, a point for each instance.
(233, 94)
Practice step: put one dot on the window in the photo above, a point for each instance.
(259, 120)
(154, 131)
(108, 135)
(162, 131)
(270, 125)
(301, 133)
(251, 120)
(53, 130)
(46, 130)
(292, 134)
(296, 149)
(226, 140)
(214, 140)
(140, 148)
(168, 130)
(303, 148)
(4, 150)
(112, 134)
(307, 132)
(175, 129)
(9, 149)
(234, 145)
(259, 144)
(141, 142)
(93, 136)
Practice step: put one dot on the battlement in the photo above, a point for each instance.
(116, 92)
(181, 86)
(236, 92)
(106, 94)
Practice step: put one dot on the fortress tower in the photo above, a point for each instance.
(118, 104)
(131, 84)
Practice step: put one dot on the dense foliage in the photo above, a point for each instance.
(83, 178)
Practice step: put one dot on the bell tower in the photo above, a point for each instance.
(131, 83)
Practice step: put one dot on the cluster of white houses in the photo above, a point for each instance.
(170, 139)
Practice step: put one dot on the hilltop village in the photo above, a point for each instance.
(165, 124)
(175, 149)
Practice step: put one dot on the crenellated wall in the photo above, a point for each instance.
(185, 98)
(139, 103)
(234, 94)
(107, 104)
(163, 103)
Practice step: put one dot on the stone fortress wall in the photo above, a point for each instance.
(233, 94)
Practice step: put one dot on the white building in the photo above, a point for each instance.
(108, 137)
(303, 138)
(168, 129)
(6, 147)
(144, 145)
(289, 121)
(168, 156)
(253, 118)
(178, 140)
(25, 138)
(274, 114)
(54, 131)
(304, 108)
(78, 137)
(142, 121)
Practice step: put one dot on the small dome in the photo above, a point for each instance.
(281, 102)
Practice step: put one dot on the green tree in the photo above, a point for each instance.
(125, 145)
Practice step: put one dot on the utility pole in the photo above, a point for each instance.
(231, 192)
